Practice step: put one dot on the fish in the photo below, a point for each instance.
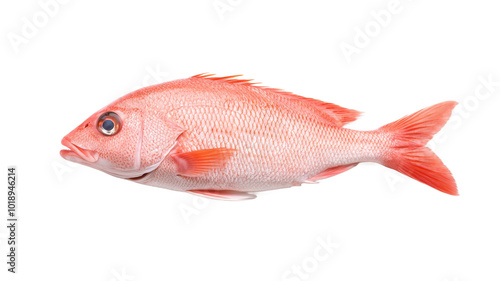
(228, 138)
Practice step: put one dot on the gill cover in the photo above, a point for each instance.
(159, 136)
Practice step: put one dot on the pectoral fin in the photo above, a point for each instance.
(199, 162)
(229, 195)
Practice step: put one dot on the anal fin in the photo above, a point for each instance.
(330, 172)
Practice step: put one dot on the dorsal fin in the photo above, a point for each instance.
(333, 113)
(228, 79)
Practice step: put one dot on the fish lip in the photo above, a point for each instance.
(76, 151)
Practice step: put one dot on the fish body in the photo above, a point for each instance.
(225, 138)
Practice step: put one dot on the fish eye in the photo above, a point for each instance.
(109, 123)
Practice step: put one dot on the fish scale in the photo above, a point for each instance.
(280, 152)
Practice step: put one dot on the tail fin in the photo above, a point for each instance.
(409, 155)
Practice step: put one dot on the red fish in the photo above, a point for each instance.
(225, 138)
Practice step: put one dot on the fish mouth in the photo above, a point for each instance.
(76, 151)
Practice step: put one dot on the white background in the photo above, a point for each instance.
(76, 223)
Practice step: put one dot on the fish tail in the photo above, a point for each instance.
(407, 153)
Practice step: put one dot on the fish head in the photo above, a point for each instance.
(121, 141)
